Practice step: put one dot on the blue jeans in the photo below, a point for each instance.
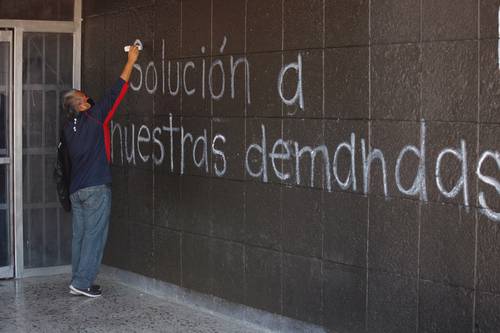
(91, 208)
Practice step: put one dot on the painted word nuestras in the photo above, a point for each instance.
(264, 159)
(133, 141)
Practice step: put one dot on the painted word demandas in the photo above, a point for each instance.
(284, 158)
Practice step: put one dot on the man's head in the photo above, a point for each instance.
(76, 101)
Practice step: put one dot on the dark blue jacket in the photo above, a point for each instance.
(88, 143)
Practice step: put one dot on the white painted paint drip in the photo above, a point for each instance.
(184, 137)
(219, 64)
(313, 152)
(485, 209)
(158, 160)
(351, 177)
(204, 157)
(130, 157)
(155, 85)
(419, 186)
(262, 150)
(462, 183)
(170, 129)
(141, 139)
(367, 161)
(220, 153)
(114, 127)
(187, 65)
(280, 156)
(177, 86)
(299, 96)
(132, 85)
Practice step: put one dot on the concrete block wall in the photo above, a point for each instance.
(215, 192)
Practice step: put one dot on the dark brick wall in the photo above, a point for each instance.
(364, 258)
(54, 10)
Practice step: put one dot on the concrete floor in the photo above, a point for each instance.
(43, 304)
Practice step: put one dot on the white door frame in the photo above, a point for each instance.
(8, 271)
(20, 27)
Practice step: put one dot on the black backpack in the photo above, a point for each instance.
(62, 173)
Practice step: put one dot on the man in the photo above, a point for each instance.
(88, 142)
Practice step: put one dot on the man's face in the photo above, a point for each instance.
(84, 101)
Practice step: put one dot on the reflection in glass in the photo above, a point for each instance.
(4, 96)
(5, 231)
(5, 77)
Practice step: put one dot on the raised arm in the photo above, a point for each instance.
(106, 106)
(133, 53)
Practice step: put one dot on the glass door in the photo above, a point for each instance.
(47, 74)
(6, 221)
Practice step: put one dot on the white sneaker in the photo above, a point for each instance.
(89, 292)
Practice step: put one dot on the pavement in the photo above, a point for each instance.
(44, 304)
